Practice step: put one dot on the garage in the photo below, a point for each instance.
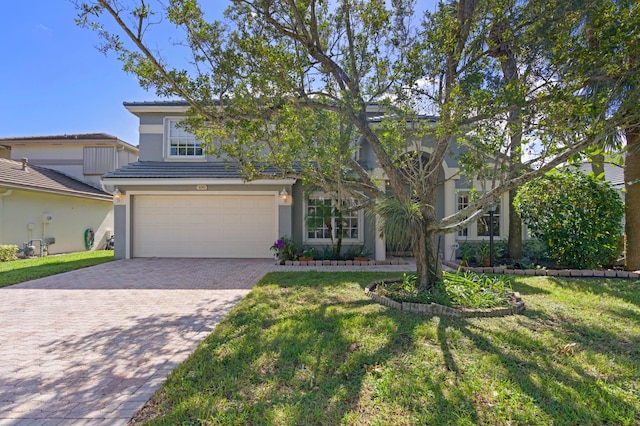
(200, 226)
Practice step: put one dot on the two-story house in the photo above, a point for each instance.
(177, 201)
(50, 189)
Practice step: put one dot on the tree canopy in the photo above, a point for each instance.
(291, 83)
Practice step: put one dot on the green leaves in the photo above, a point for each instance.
(402, 220)
(578, 218)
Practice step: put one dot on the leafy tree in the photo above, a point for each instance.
(606, 52)
(289, 82)
(576, 216)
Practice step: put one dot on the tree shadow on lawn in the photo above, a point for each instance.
(565, 386)
(309, 350)
(628, 290)
(322, 362)
(519, 285)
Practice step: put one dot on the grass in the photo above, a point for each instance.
(310, 348)
(22, 270)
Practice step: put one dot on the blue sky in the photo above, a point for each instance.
(54, 81)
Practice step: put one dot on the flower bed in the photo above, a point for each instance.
(516, 305)
(344, 262)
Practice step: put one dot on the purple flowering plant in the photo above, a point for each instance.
(286, 249)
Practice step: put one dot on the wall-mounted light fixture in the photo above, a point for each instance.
(285, 198)
(118, 197)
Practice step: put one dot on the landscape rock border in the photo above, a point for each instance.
(345, 262)
(577, 273)
(434, 309)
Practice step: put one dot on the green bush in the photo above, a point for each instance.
(577, 218)
(8, 253)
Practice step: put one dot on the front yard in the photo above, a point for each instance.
(311, 348)
(21, 270)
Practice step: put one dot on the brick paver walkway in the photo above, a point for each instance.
(92, 346)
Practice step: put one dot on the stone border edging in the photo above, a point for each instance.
(441, 310)
(345, 262)
(577, 273)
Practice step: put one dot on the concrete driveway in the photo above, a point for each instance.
(93, 345)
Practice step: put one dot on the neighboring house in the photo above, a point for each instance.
(85, 157)
(50, 189)
(177, 201)
(613, 173)
(37, 203)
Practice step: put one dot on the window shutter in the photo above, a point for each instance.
(98, 160)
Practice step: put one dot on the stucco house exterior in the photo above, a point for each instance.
(177, 201)
(50, 189)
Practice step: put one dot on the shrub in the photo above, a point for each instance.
(577, 218)
(8, 253)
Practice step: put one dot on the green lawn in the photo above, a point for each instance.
(310, 348)
(22, 270)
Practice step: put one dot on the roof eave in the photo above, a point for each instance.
(124, 181)
(105, 197)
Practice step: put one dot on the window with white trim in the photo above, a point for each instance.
(181, 143)
(463, 202)
(322, 220)
(484, 223)
(481, 227)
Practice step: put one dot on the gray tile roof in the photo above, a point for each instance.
(181, 170)
(177, 102)
(36, 178)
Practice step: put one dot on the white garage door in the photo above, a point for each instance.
(204, 226)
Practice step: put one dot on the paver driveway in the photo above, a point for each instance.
(92, 346)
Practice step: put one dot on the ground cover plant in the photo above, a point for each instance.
(465, 289)
(311, 348)
(21, 270)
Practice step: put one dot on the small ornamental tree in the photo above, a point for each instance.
(577, 217)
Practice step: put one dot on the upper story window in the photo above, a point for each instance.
(181, 143)
(323, 222)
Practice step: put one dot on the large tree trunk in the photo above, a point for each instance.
(632, 200)
(514, 247)
(428, 265)
(501, 49)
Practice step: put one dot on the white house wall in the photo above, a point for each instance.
(71, 216)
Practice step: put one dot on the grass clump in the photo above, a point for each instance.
(468, 289)
(21, 270)
(312, 348)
